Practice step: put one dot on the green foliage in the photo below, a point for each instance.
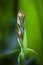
(34, 25)
(33, 21)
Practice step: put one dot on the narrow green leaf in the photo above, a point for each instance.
(25, 40)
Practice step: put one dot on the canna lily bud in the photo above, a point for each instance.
(19, 38)
(20, 22)
(20, 17)
(21, 27)
(18, 35)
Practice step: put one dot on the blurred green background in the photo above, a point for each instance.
(33, 10)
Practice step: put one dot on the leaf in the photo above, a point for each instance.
(25, 40)
(29, 49)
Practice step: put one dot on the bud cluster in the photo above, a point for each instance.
(20, 35)
(21, 27)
